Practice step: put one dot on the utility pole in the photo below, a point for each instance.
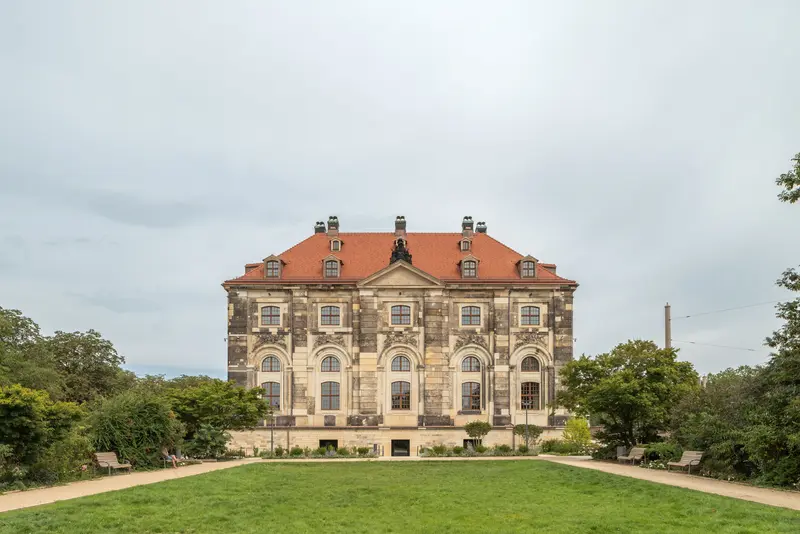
(667, 327)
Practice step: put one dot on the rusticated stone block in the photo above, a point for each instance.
(330, 420)
(501, 420)
(239, 377)
(434, 420)
(284, 420)
(364, 420)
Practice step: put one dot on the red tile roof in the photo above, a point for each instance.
(363, 254)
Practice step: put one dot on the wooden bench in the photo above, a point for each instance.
(109, 460)
(637, 453)
(688, 459)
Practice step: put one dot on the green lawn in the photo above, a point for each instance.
(408, 497)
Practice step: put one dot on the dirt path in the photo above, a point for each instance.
(784, 499)
(25, 499)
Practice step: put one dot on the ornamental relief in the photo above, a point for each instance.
(467, 338)
(270, 339)
(329, 339)
(531, 338)
(397, 338)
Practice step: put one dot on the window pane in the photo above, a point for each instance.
(270, 315)
(470, 315)
(401, 314)
(470, 396)
(530, 364)
(530, 395)
(401, 363)
(330, 364)
(270, 364)
(330, 315)
(332, 268)
(528, 268)
(469, 268)
(273, 269)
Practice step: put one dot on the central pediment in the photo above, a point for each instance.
(400, 274)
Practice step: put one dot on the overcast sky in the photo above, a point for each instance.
(148, 150)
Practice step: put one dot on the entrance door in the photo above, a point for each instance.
(401, 447)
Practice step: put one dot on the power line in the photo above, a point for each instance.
(712, 345)
(727, 309)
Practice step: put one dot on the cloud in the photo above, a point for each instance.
(636, 147)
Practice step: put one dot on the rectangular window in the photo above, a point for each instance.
(470, 396)
(330, 395)
(272, 392)
(530, 395)
(401, 396)
(530, 316)
(401, 315)
(469, 269)
(273, 269)
(470, 315)
(330, 315)
(270, 315)
(331, 269)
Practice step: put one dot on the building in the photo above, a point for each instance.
(395, 340)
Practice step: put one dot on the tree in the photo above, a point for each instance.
(223, 405)
(790, 182)
(477, 429)
(531, 433)
(89, 364)
(577, 432)
(30, 422)
(630, 390)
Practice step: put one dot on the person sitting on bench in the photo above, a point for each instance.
(169, 457)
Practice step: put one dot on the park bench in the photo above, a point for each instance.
(637, 453)
(688, 459)
(109, 459)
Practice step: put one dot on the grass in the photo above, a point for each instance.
(408, 497)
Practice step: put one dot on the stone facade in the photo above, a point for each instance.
(430, 354)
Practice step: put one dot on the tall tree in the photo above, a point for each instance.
(629, 390)
(790, 182)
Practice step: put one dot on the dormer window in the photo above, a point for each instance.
(336, 245)
(527, 267)
(469, 268)
(331, 269)
(273, 269)
(465, 245)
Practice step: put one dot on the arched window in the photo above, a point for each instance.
(530, 395)
(401, 314)
(528, 269)
(270, 315)
(471, 364)
(469, 269)
(330, 364)
(530, 364)
(470, 315)
(272, 393)
(270, 364)
(332, 269)
(330, 395)
(530, 315)
(401, 363)
(273, 269)
(330, 315)
(470, 396)
(401, 396)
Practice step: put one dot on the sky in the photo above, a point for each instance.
(149, 149)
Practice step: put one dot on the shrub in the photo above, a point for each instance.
(534, 432)
(477, 429)
(439, 450)
(320, 451)
(363, 451)
(557, 446)
(136, 425)
(279, 451)
(458, 450)
(503, 449)
(523, 449)
(343, 451)
(234, 453)
(577, 431)
(666, 451)
(296, 452)
(65, 459)
(256, 451)
(480, 449)
(208, 442)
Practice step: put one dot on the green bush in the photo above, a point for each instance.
(136, 425)
(208, 442)
(67, 459)
(343, 451)
(477, 429)
(557, 446)
(439, 450)
(534, 432)
(480, 449)
(458, 450)
(523, 449)
(363, 451)
(234, 453)
(665, 451)
(577, 432)
(503, 449)
(296, 452)
(279, 451)
(319, 451)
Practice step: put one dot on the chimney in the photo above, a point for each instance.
(319, 228)
(333, 226)
(466, 226)
(481, 227)
(400, 227)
